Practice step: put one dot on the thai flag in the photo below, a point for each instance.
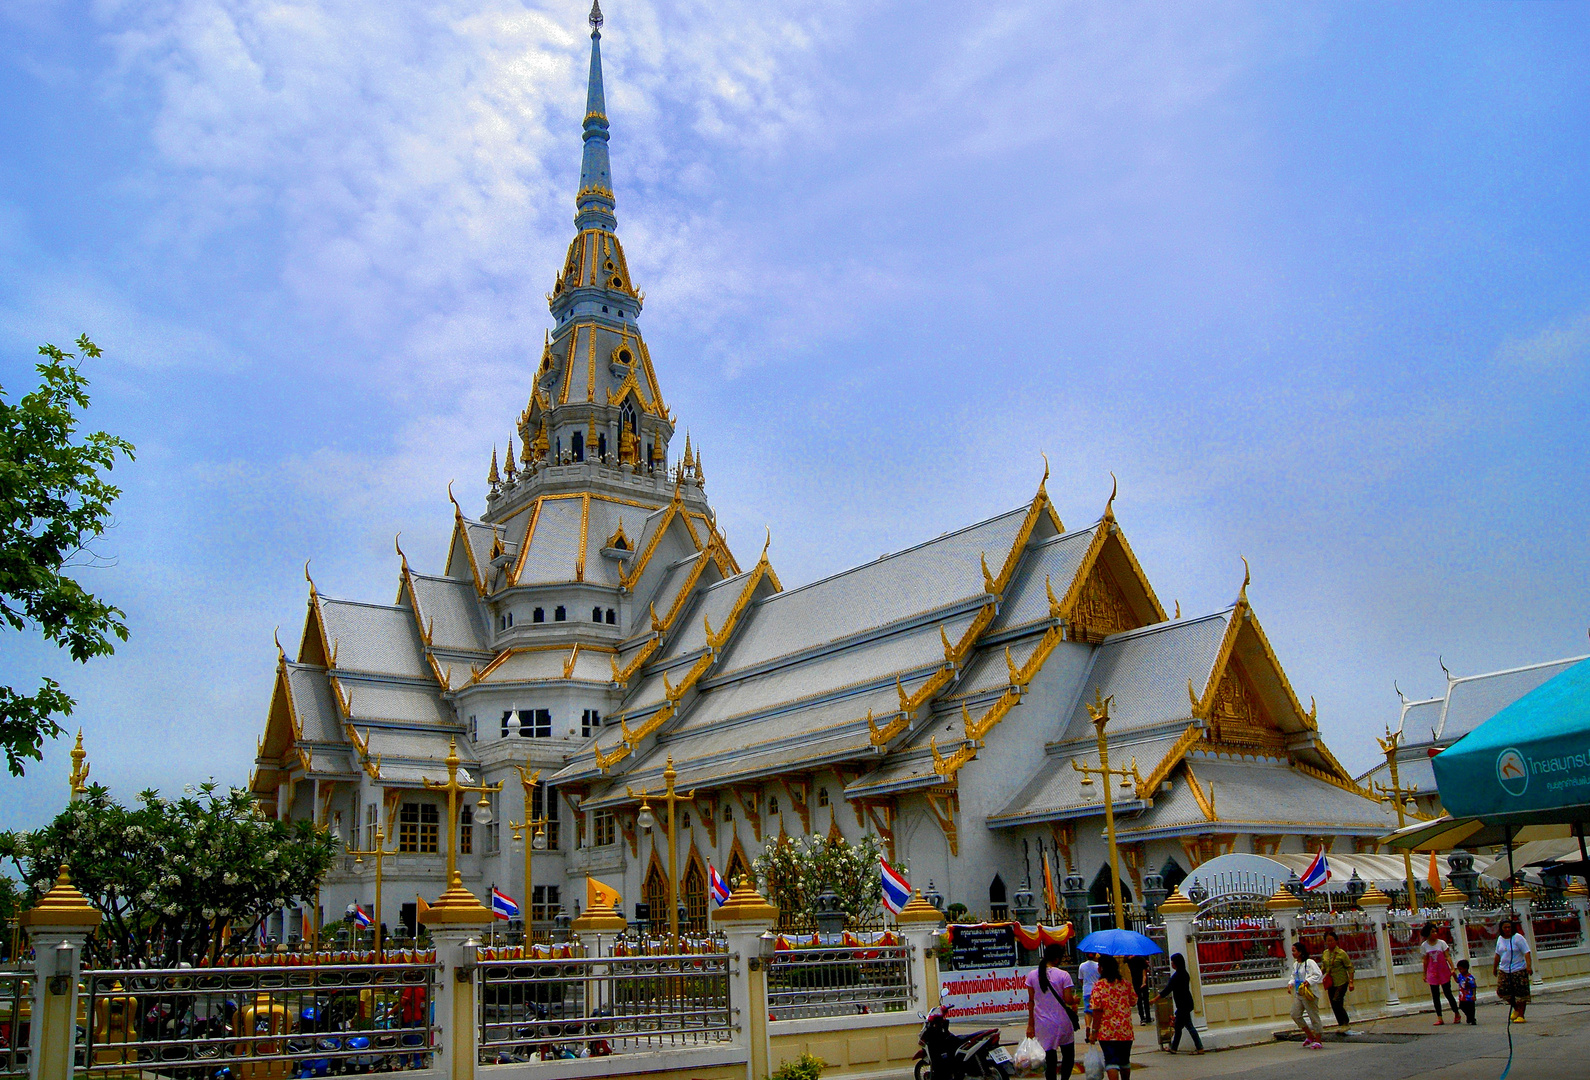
(1318, 872)
(361, 917)
(503, 905)
(719, 887)
(896, 889)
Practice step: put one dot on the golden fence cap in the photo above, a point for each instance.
(1453, 895)
(1578, 889)
(745, 904)
(1283, 900)
(456, 907)
(919, 911)
(596, 920)
(63, 905)
(1177, 904)
(1374, 898)
(1520, 892)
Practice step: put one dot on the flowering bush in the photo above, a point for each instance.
(172, 876)
(793, 873)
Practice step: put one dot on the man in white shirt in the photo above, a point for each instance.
(1513, 966)
(1089, 973)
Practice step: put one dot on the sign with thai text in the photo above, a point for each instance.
(997, 993)
(985, 946)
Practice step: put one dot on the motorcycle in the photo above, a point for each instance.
(944, 1055)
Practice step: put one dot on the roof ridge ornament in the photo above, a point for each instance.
(1247, 577)
(595, 18)
(1109, 504)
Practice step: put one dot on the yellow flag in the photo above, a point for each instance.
(599, 897)
(1434, 876)
(1048, 885)
(420, 908)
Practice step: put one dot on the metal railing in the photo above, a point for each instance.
(1406, 937)
(16, 1006)
(1556, 926)
(593, 1005)
(1239, 949)
(1355, 933)
(838, 981)
(261, 1022)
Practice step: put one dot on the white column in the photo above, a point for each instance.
(62, 917)
(1453, 902)
(1179, 914)
(1374, 904)
(919, 923)
(1524, 903)
(744, 918)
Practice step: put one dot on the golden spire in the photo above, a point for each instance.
(507, 461)
(1247, 576)
(492, 478)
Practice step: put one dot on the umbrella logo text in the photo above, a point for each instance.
(1512, 772)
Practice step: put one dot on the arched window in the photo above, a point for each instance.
(695, 897)
(596, 614)
(1173, 874)
(1099, 892)
(997, 907)
(612, 617)
(538, 615)
(655, 893)
(737, 868)
(577, 444)
(559, 615)
(601, 446)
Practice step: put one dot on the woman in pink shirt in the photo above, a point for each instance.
(1051, 1002)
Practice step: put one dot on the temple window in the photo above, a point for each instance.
(612, 617)
(466, 831)
(510, 620)
(590, 722)
(418, 828)
(822, 796)
(605, 828)
(728, 811)
(684, 820)
(997, 908)
(577, 443)
(596, 614)
(559, 615)
(533, 723)
(544, 804)
(545, 904)
(772, 806)
(474, 729)
(538, 615)
(601, 445)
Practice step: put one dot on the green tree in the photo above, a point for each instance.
(54, 502)
(793, 873)
(171, 875)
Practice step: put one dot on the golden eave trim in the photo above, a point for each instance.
(1205, 804)
(585, 536)
(1162, 771)
(461, 532)
(1039, 507)
(529, 534)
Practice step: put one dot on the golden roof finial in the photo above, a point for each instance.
(281, 653)
(309, 579)
(79, 767)
(1042, 484)
(767, 543)
(508, 465)
(397, 537)
(1247, 576)
(1109, 504)
(492, 477)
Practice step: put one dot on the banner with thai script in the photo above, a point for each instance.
(994, 993)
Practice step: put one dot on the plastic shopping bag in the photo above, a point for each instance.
(1028, 1059)
(1093, 1062)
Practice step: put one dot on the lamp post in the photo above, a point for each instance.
(455, 882)
(380, 854)
(532, 833)
(646, 820)
(1395, 795)
(1099, 713)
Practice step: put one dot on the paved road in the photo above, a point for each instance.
(1554, 1045)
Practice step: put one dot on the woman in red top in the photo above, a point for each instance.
(1113, 1004)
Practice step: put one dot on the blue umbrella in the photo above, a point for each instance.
(1118, 943)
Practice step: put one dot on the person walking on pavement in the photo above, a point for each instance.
(1338, 968)
(1113, 999)
(1051, 1002)
(1306, 976)
(1437, 971)
(1179, 989)
(1513, 966)
(1088, 972)
(1138, 966)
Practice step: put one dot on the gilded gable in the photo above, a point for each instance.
(1237, 716)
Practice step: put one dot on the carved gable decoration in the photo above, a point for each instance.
(1237, 716)
(1102, 608)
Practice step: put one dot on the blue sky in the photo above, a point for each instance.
(1312, 280)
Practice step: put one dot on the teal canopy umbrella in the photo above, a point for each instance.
(1527, 765)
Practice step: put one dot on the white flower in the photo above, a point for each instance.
(229, 878)
(208, 913)
(270, 856)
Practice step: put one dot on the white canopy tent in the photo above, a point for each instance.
(1241, 873)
